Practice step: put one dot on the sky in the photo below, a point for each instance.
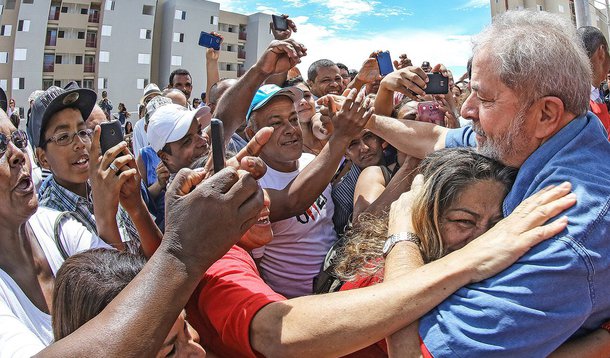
(348, 31)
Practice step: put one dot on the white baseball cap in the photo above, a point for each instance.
(171, 123)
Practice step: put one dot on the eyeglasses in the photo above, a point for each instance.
(19, 139)
(66, 138)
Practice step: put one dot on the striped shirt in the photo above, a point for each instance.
(54, 196)
(343, 197)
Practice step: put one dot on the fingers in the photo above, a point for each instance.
(111, 154)
(253, 165)
(542, 206)
(185, 181)
(242, 188)
(256, 144)
(95, 150)
(537, 235)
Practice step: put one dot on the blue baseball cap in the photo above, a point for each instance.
(265, 93)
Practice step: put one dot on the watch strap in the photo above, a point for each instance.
(398, 237)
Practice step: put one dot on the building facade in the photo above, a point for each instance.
(565, 8)
(119, 45)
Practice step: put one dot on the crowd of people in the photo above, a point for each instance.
(356, 214)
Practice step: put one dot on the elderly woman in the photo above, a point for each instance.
(30, 252)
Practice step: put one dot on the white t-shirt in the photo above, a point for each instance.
(139, 137)
(24, 329)
(295, 256)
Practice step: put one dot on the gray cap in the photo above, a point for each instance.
(54, 100)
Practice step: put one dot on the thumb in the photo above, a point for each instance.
(185, 181)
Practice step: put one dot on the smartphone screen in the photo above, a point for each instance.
(218, 147)
(385, 63)
(437, 84)
(209, 41)
(111, 135)
(430, 111)
(279, 23)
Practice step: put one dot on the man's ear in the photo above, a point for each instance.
(310, 83)
(41, 155)
(551, 111)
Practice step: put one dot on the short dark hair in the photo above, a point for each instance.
(342, 66)
(180, 71)
(312, 72)
(294, 81)
(592, 38)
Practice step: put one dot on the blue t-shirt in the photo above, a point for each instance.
(559, 288)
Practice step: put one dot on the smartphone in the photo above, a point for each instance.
(218, 145)
(209, 41)
(438, 84)
(279, 23)
(430, 111)
(111, 135)
(384, 61)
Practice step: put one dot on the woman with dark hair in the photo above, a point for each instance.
(123, 114)
(87, 282)
(306, 110)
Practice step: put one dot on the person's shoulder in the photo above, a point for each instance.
(305, 159)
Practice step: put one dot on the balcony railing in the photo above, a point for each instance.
(52, 41)
(89, 67)
(243, 35)
(94, 17)
(241, 54)
(91, 43)
(54, 15)
(48, 67)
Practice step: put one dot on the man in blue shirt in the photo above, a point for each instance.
(530, 92)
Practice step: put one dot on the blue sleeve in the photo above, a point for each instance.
(460, 137)
(527, 310)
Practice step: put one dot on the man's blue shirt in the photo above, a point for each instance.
(561, 286)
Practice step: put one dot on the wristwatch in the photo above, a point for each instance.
(398, 237)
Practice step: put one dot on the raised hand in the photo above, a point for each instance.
(353, 116)
(402, 62)
(410, 81)
(369, 72)
(285, 34)
(212, 55)
(162, 174)
(280, 57)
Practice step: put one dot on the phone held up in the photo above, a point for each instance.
(384, 61)
(209, 41)
(111, 135)
(279, 23)
(437, 84)
(430, 111)
(218, 147)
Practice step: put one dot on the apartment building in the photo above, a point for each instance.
(119, 45)
(564, 8)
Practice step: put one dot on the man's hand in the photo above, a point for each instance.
(206, 217)
(353, 116)
(280, 57)
(369, 72)
(212, 55)
(400, 219)
(285, 34)
(524, 228)
(410, 81)
(162, 174)
(402, 62)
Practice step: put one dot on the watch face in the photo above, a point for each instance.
(388, 245)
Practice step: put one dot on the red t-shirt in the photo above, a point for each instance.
(601, 111)
(225, 302)
(379, 349)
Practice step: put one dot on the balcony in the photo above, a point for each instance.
(243, 35)
(54, 15)
(241, 54)
(89, 67)
(48, 67)
(68, 72)
(94, 17)
(51, 41)
(92, 43)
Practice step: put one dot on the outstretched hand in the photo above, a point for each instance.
(283, 34)
(281, 56)
(212, 55)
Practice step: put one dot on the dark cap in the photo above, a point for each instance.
(3, 102)
(54, 100)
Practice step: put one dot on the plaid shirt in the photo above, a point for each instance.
(54, 196)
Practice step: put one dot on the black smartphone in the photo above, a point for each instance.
(111, 135)
(209, 40)
(279, 23)
(218, 145)
(384, 61)
(437, 84)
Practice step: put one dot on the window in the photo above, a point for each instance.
(5, 30)
(88, 84)
(80, 35)
(104, 56)
(176, 60)
(18, 83)
(61, 34)
(141, 83)
(180, 15)
(57, 83)
(178, 37)
(10, 4)
(109, 5)
(84, 11)
(21, 54)
(540, 8)
(561, 9)
(23, 25)
(28, 1)
(145, 34)
(3, 57)
(1, 9)
(64, 9)
(148, 10)
(106, 30)
(214, 20)
(102, 83)
(144, 58)
(59, 59)
(229, 48)
(46, 83)
(4, 84)
(78, 60)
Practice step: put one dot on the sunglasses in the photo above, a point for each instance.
(19, 139)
